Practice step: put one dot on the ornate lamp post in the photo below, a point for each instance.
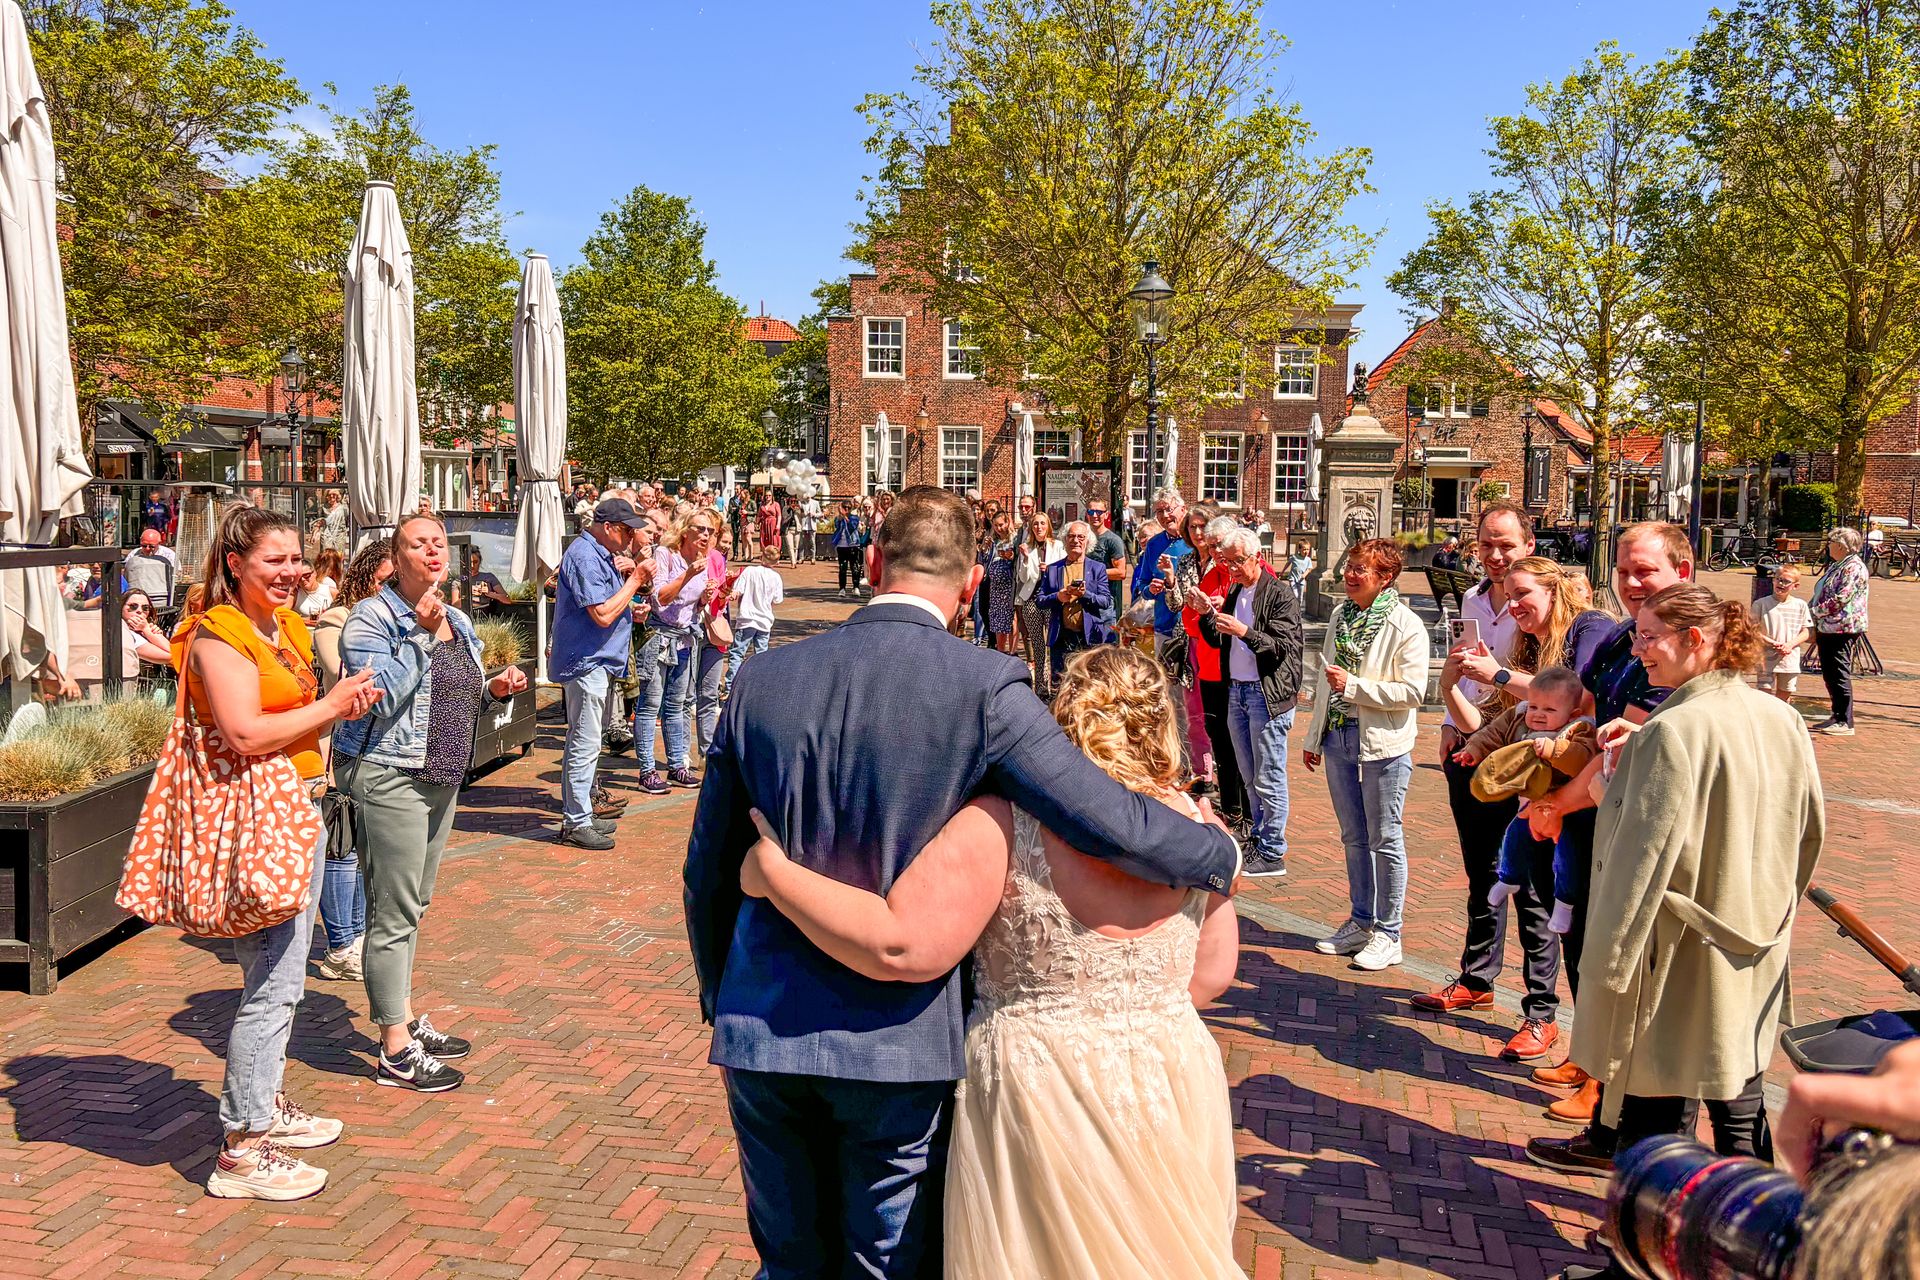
(293, 372)
(1530, 495)
(1149, 299)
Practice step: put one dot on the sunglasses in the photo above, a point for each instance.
(133, 608)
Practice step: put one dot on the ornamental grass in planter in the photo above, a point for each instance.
(79, 748)
(502, 643)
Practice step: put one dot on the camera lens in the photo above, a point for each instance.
(1677, 1209)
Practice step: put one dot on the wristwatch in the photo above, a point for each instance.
(1501, 677)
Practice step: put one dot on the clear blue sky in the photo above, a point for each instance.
(748, 107)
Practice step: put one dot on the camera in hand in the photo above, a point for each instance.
(1677, 1210)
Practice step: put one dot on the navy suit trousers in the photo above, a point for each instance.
(843, 1177)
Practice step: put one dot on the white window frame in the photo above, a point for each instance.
(1302, 463)
(946, 482)
(1071, 439)
(1159, 464)
(1238, 391)
(867, 347)
(1208, 440)
(896, 449)
(952, 344)
(1293, 366)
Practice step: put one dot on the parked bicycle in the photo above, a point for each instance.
(1743, 550)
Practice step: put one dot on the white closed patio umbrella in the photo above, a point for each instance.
(43, 463)
(1023, 458)
(380, 407)
(540, 421)
(882, 450)
(1170, 474)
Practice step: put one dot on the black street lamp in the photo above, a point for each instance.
(1150, 298)
(293, 372)
(1529, 491)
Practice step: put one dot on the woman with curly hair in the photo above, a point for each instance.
(1092, 1086)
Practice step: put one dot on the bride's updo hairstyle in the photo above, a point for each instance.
(1114, 704)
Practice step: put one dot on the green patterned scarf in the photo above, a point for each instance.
(1353, 633)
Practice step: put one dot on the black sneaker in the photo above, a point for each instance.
(437, 1042)
(417, 1070)
(654, 783)
(683, 777)
(617, 742)
(587, 838)
(1258, 864)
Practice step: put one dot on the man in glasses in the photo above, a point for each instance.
(153, 568)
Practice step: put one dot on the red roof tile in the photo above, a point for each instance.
(770, 329)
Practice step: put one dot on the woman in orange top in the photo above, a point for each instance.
(248, 664)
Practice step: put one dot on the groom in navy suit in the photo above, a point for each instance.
(858, 745)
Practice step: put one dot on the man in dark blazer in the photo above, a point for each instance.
(858, 745)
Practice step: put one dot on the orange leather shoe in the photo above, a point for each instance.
(1577, 1110)
(1534, 1040)
(1564, 1076)
(1453, 997)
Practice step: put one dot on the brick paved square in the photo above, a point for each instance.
(592, 1138)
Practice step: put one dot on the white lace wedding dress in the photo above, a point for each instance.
(1092, 1136)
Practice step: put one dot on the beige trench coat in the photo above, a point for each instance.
(1706, 839)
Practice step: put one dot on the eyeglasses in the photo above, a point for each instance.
(131, 607)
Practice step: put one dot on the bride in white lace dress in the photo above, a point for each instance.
(1092, 1136)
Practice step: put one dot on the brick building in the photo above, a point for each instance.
(1471, 437)
(892, 354)
(1891, 486)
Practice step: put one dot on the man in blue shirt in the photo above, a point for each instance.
(592, 630)
(1154, 572)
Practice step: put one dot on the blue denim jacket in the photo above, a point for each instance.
(381, 634)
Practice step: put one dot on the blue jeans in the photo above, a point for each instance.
(1260, 748)
(746, 640)
(273, 977)
(843, 1177)
(706, 690)
(666, 702)
(343, 901)
(580, 755)
(1367, 799)
(1521, 856)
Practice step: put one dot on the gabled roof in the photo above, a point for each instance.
(770, 329)
(1549, 412)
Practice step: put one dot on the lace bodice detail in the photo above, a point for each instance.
(1035, 959)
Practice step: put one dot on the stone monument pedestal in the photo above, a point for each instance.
(1357, 466)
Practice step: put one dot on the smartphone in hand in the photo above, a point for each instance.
(1463, 632)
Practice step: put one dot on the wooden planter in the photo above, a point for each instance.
(503, 730)
(60, 864)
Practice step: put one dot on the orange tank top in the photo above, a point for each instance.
(287, 680)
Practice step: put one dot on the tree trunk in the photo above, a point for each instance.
(1600, 566)
(1849, 454)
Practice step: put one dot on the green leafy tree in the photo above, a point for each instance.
(152, 103)
(1551, 270)
(1053, 145)
(464, 276)
(661, 380)
(1801, 262)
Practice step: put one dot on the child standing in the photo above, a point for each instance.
(755, 592)
(1561, 742)
(1786, 625)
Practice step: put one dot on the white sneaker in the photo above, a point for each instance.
(343, 965)
(294, 1126)
(1837, 730)
(1347, 940)
(1379, 953)
(265, 1173)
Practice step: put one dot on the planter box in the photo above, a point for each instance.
(60, 864)
(520, 612)
(503, 731)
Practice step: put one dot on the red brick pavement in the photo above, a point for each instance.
(592, 1138)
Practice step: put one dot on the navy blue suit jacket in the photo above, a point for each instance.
(1098, 601)
(858, 745)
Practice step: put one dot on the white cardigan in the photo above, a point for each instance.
(1385, 693)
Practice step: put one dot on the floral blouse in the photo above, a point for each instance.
(1840, 597)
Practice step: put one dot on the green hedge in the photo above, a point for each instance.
(1809, 508)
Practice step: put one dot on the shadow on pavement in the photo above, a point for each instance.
(138, 1113)
(326, 1036)
(1371, 1185)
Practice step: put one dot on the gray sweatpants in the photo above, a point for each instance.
(403, 825)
